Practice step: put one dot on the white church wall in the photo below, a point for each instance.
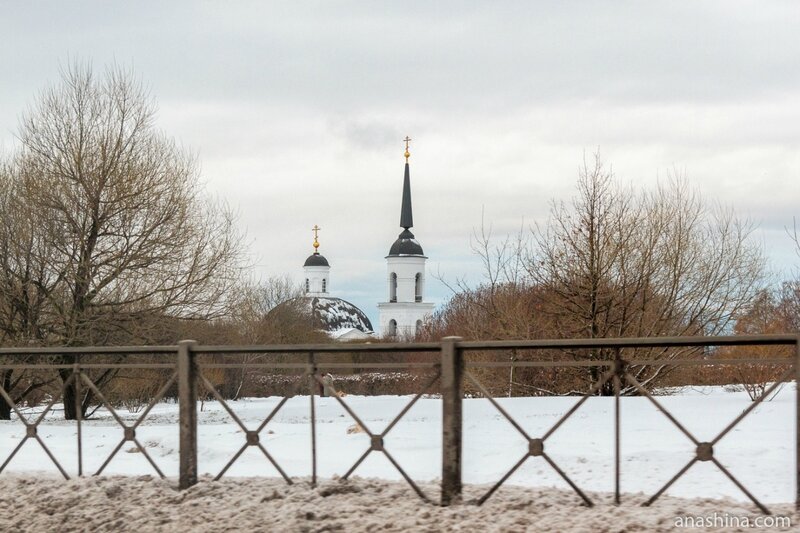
(406, 268)
(317, 280)
(406, 315)
(406, 289)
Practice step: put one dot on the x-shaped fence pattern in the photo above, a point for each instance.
(252, 437)
(619, 374)
(704, 451)
(129, 431)
(32, 429)
(377, 439)
(451, 372)
(536, 445)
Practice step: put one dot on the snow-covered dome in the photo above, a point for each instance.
(336, 314)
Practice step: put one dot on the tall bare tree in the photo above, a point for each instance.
(117, 227)
(23, 270)
(627, 264)
(614, 262)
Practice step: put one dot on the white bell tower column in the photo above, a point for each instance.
(405, 311)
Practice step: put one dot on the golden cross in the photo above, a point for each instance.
(407, 140)
(316, 229)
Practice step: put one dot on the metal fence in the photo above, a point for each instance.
(448, 363)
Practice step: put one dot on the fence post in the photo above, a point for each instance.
(452, 393)
(187, 407)
(797, 421)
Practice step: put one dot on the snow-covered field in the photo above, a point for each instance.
(760, 451)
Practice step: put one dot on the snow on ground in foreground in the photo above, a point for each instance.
(759, 451)
(146, 504)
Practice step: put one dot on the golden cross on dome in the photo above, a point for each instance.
(316, 229)
(407, 140)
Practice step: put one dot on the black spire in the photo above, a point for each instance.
(406, 220)
(405, 243)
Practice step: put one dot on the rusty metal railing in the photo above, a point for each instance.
(312, 369)
(447, 362)
(78, 378)
(618, 372)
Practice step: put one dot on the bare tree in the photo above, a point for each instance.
(764, 314)
(266, 311)
(255, 303)
(622, 264)
(263, 311)
(117, 227)
(615, 262)
(23, 274)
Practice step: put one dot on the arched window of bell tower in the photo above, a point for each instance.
(393, 287)
(392, 331)
(324, 285)
(418, 287)
(308, 285)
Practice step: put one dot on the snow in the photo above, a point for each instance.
(337, 314)
(760, 452)
(265, 505)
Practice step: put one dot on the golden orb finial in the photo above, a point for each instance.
(316, 229)
(407, 154)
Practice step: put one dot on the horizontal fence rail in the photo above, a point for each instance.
(184, 368)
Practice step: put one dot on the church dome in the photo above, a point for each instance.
(336, 314)
(406, 244)
(316, 260)
(332, 315)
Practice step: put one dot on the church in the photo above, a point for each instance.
(404, 311)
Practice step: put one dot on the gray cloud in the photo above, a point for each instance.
(297, 109)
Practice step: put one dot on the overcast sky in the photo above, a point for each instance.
(297, 110)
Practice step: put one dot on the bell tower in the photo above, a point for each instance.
(405, 310)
